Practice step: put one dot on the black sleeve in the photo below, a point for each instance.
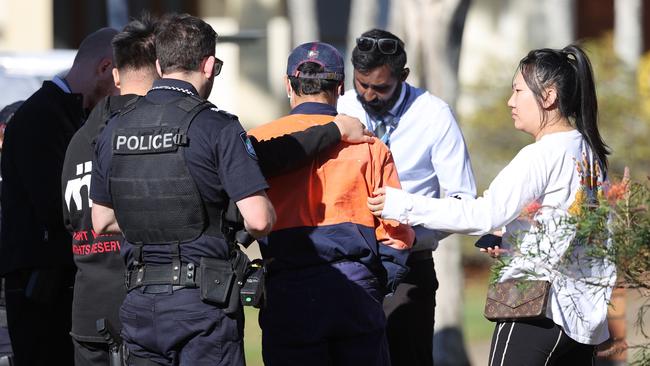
(237, 165)
(288, 152)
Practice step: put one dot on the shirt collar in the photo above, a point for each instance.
(176, 85)
(62, 84)
(396, 108)
(314, 108)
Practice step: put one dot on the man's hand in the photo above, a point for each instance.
(376, 203)
(352, 130)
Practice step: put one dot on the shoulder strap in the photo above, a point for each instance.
(129, 106)
(192, 105)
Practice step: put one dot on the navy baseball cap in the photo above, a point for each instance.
(321, 53)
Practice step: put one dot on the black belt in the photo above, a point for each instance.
(185, 275)
(420, 255)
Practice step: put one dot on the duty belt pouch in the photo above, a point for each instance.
(217, 280)
(516, 300)
(239, 262)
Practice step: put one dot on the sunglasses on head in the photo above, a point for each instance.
(387, 46)
(218, 64)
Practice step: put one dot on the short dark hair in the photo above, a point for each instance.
(309, 86)
(182, 42)
(368, 61)
(135, 46)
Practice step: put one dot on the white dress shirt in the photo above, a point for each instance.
(61, 84)
(427, 145)
(548, 172)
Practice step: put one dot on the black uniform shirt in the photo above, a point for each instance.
(99, 282)
(219, 158)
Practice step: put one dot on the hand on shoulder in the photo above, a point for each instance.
(352, 130)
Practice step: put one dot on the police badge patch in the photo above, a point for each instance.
(248, 145)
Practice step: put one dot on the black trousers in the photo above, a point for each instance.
(409, 314)
(39, 326)
(533, 343)
(90, 353)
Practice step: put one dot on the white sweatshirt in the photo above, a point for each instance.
(551, 172)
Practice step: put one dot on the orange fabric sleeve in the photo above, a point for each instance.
(389, 232)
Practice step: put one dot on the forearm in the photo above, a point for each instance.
(258, 214)
(289, 152)
(104, 220)
(473, 217)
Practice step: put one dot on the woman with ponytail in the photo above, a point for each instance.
(533, 200)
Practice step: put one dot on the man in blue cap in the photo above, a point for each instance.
(329, 262)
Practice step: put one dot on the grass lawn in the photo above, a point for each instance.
(252, 338)
(475, 326)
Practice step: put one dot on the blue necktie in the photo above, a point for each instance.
(380, 129)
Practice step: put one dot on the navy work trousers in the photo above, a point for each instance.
(324, 315)
(177, 328)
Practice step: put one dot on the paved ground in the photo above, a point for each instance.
(479, 352)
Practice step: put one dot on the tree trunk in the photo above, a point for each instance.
(302, 15)
(363, 17)
(432, 32)
(448, 342)
(560, 22)
(628, 31)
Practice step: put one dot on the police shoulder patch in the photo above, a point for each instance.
(226, 114)
(248, 145)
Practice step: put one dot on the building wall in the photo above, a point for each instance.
(25, 25)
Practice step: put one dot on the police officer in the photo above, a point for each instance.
(166, 167)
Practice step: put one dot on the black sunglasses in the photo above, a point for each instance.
(218, 64)
(387, 46)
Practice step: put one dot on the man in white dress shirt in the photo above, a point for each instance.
(430, 156)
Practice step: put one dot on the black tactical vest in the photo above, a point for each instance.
(155, 199)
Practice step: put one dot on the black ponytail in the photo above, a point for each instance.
(586, 116)
(570, 72)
